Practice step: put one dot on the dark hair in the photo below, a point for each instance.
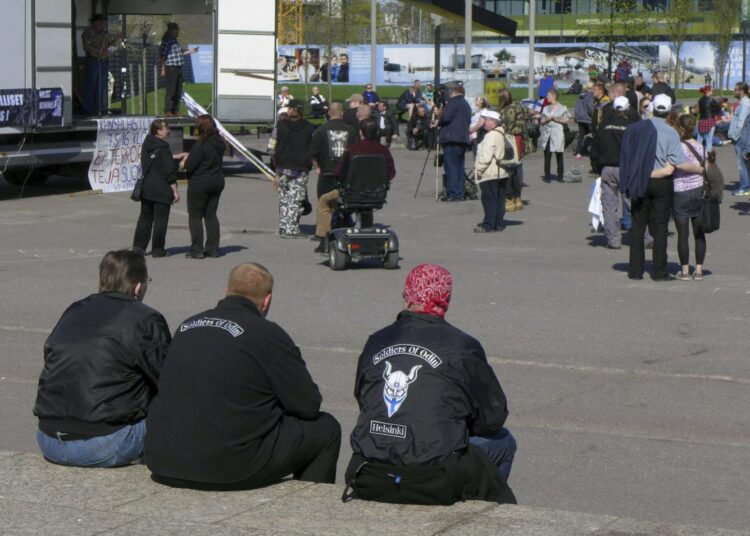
(601, 86)
(121, 271)
(171, 28)
(156, 125)
(206, 127)
(742, 86)
(685, 126)
(504, 99)
(369, 128)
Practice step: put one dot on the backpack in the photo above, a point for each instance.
(511, 160)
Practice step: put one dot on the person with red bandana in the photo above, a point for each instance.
(432, 412)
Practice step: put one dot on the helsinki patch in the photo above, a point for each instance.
(391, 430)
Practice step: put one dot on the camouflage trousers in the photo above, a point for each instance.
(292, 191)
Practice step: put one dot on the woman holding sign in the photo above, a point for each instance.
(205, 173)
(159, 189)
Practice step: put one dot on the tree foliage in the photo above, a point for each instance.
(677, 17)
(619, 20)
(725, 13)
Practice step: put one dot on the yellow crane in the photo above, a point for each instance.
(290, 24)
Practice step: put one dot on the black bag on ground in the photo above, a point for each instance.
(462, 476)
(137, 193)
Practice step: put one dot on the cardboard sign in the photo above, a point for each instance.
(31, 107)
(116, 164)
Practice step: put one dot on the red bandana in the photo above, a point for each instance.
(429, 285)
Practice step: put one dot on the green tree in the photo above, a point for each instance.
(620, 20)
(677, 17)
(503, 55)
(725, 13)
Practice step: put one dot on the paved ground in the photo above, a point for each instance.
(627, 398)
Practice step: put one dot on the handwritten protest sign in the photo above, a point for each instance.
(116, 164)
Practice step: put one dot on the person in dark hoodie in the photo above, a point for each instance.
(584, 110)
(293, 164)
(608, 143)
(159, 189)
(204, 166)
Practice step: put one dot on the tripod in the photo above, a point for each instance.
(427, 159)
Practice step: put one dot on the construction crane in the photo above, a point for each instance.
(290, 26)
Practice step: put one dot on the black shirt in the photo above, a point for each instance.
(329, 143)
(229, 378)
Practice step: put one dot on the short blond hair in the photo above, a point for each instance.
(251, 280)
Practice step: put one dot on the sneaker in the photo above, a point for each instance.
(481, 229)
(698, 276)
(682, 276)
(192, 255)
(159, 253)
(579, 157)
(741, 193)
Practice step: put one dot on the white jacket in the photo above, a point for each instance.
(489, 153)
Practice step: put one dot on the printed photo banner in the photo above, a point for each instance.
(116, 164)
(27, 108)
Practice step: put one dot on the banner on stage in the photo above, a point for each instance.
(28, 108)
(116, 164)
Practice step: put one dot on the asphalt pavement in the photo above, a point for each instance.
(627, 398)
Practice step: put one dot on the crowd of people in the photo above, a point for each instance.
(227, 402)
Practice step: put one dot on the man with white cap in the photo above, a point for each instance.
(607, 146)
(490, 173)
(652, 201)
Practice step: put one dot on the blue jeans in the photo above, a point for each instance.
(95, 89)
(453, 163)
(499, 448)
(115, 450)
(742, 164)
(707, 138)
(627, 221)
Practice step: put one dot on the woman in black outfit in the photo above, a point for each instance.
(159, 189)
(205, 183)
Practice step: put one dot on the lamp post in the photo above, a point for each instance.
(468, 5)
(373, 45)
(532, 29)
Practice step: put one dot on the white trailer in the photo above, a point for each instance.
(41, 43)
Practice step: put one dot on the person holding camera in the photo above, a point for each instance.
(454, 122)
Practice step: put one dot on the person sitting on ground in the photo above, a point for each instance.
(368, 144)
(418, 129)
(370, 97)
(101, 367)
(318, 103)
(431, 407)
(387, 124)
(575, 88)
(407, 100)
(237, 407)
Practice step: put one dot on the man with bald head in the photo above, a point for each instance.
(430, 428)
(236, 407)
(329, 143)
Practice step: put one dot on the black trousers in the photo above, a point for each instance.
(582, 145)
(493, 202)
(154, 216)
(173, 89)
(654, 211)
(306, 449)
(203, 207)
(516, 182)
(548, 162)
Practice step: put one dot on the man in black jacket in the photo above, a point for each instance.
(661, 87)
(455, 118)
(101, 366)
(428, 397)
(387, 124)
(418, 131)
(237, 407)
(329, 143)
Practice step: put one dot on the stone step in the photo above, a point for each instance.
(37, 497)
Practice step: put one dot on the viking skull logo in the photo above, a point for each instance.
(397, 386)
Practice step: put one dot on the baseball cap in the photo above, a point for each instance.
(662, 103)
(356, 97)
(621, 103)
(490, 114)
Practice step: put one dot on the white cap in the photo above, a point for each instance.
(662, 103)
(621, 103)
(490, 114)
